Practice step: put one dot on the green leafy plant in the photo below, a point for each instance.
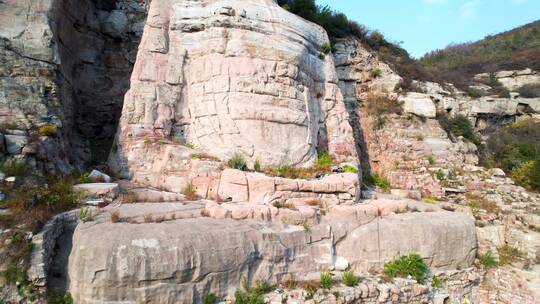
(14, 167)
(237, 162)
(509, 255)
(251, 295)
(257, 166)
(379, 123)
(459, 125)
(48, 130)
(407, 265)
(85, 215)
(326, 48)
(431, 160)
(436, 282)
(350, 279)
(209, 299)
(377, 180)
(350, 169)
(326, 280)
(324, 161)
(504, 94)
(59, 298)
(487, 260)
(474, 93)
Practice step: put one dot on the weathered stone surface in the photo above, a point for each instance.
(66, 64)
(181, 260)
(419, 104)
(97, 176)
(259, 88)
(15, 143)
(98, 189)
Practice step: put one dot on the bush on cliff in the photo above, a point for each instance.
(459, 125)
(337, 25)
(407, 265)
(516, 150)
(530, 91)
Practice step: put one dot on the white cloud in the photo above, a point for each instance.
(469, 9)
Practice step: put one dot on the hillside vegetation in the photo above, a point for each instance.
(337, 25)
(512, 50)
(457, 64)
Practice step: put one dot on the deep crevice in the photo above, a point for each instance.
(97, 44)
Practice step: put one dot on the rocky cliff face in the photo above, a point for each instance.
(233, 77)
(65, 66)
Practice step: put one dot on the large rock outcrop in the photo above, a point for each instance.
(232, 77)
(182, 259)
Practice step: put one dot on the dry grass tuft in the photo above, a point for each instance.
(115, 217)
(148, 218)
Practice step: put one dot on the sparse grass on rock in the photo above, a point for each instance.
(326, 280)
(509, 255)
(487, 260)
(237, 162)
(407, 265)
(350, 279)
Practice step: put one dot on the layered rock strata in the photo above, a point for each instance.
(183, 257)
(232, 77)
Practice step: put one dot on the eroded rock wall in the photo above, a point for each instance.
(65, 64)
(233, 77)
(181, 260)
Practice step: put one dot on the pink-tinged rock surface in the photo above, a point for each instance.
(232, 77)
(184, 257)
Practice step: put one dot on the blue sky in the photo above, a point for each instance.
(425, 25)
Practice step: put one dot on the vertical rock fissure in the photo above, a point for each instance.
(97, 44)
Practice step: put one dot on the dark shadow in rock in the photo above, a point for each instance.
(58, 278)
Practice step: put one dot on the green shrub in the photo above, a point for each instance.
(14, 167)
(487, 260)
(474, 93)
(350, 279)
(379, 105)
(286, 171)
(377, 180)
(529, 91)
(516, 150)
(407, 265)
(251, 295)
(431, 160)
(59, 298)
(257, 166)
(379, 123)
(237, 162)
(209, 299)
(509, 255)
(326, 280)
(436, 282)
(324, 161)
(48, 130)
(459, 125)
(504, 93)
(376, 73)
(350, 169)
(326, 48)
(59, 194)
(527, 175)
